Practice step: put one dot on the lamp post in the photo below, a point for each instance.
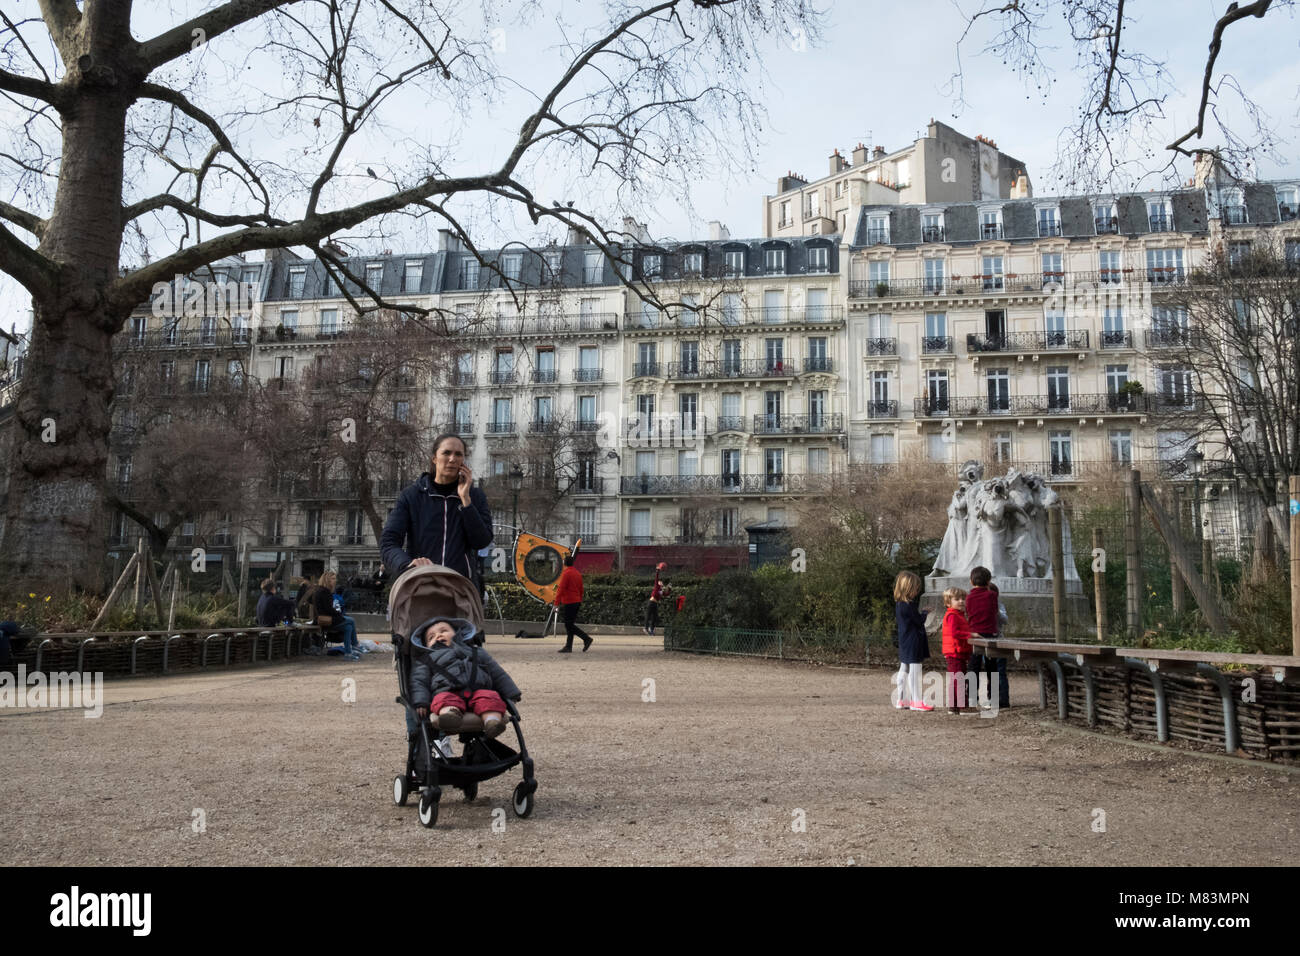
(516, 479)
(1197, 461)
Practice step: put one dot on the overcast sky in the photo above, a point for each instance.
(880, 74)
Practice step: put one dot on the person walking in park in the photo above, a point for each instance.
(440, 519)
(913, 647)
(568, 600)
(657, 593)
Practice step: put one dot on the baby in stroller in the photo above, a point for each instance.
(455, 675)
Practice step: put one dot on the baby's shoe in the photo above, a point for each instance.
(494, 727)
(450, 721)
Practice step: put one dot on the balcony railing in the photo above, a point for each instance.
(1159, 224)
(462, 379)
(982, 406)
(645, 370)
(1006, 282)
(1164, 403)
(544, 376)
(543, 324)
(500, 428)
(818, 363)
(1116, 339)
(882, 408)
(185, 339)
(1235, 215)
(545, 426)
(730, 423)
(882, 346)
(814, 424)
(878, 237)
(936, 344)
(1107, 225)
(583, 426)
(588, 486)
(586, 375)
(1173, 337)
(1047, 229)
(732, 368)
(991, 230)
(502, 378)
(1165, 275)
(932, 234)
(461, 426)
(1068, 340)
(727, 484)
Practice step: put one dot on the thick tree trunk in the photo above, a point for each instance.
(54, 533)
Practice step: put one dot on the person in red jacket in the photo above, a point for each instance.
(982, 614)
(956, 649)
(568, 598)
(657, 594)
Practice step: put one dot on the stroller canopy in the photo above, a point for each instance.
(432, 591)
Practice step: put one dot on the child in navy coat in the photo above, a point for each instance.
(913, 648)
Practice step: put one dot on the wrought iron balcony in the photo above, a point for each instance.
(991, 230)
(544, 376)
(500, 428)
(1047, 229)
(1116, 339)
(645, 370)
(545, 426)
(502, 378)
(1165, 275)
(726, 484)
(1165, 403)
(730, 423)
(586, 375)
(936, 344)
(732, 369)
(882, 408)
(932, 234)
(1068, 340)
(818, 363)
(584, 425)
(1235, 215)
(814, 424)
(1159, 224)
(999, 283)
(461, 426)
(1170, 337)
(882, 346)
(1108, 225)
(184, 339)
(588, 486)
(1041, 406)
(462, 379)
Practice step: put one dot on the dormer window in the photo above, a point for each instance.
(1049, 221)
(512, 265)
(1287, 204)
(1160, 217)
(468, 273)
(553, 259)
(1234, 207)
(932, 227)
(652, 266)
(297, 283)
(991, 223)
(693, 263)
(774, 260)
(734, 262)
(819, 259)
(877, 230)
(412, 273)
(1105, 219)
(374, 274)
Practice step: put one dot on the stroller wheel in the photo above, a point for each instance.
(522, 802)
(471, 791)
(428, 809)
(401, 790)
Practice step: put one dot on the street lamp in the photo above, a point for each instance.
(1197, 461)
(516, 479)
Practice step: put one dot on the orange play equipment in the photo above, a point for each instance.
(538, 563)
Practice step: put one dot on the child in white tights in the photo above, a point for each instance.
(913, 647)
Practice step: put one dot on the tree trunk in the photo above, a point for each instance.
(55, 517)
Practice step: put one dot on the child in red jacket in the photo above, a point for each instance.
(956, 649)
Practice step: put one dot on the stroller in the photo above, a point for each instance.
(418, 595)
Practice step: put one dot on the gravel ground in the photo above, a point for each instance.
(723, 766)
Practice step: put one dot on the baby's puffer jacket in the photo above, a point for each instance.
(460, 667)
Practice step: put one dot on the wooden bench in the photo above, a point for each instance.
(1096, 663)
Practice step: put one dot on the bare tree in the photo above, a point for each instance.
(1233, 365)
(1122, 116)
(118, 142)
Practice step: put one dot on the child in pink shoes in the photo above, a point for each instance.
(913, 648)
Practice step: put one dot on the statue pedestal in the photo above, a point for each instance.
(1028, 602)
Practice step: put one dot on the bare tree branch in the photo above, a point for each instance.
(181, 39)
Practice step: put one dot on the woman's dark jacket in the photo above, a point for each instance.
(912, 644)
(428, 521)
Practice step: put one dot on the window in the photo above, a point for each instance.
(934, 274)
(588, 364)
(730, 468)
(167, 375)
(315, 527)
(774, 261)
(248, 276)
(991, 223)
(936, 391)
(645, 463)
(586, 515)
(1109, 268)
(693, 264)
(1058, 387)
(1287, 204)
(469, 273)
(688, 406)
(374, 275)
(819, 461)
(402, 411)
(235, 372)
(412, 273)
(1113, 334)
(812, 204)
(297, 283)
(649, 316)
(774, 349)
(731, 357)
(773, 306)
(592, 266)
(785, 218)
(1159, 215)
(734, 262)
(880, 334)
(998, 383)
(877, 229)
(818, 306)
(879, 396)
(936, 446)
(1234, 207)
(728, 522)
(554, 261)
(731, 308)
(586, 412)
(1238, 253)
(1116, 378)
(329, 321)
(502, 415)
(1121, 446)
(882, 449)
(283, 369)
(819, 259)
(1054, 326)
(1053, 268)
(465, 368)
(1104, 218)
(202, 375)
(932, 227)
(512, 264)
(123, 469)
(504, 371)
(689, 355)
(139, 327)
(1164, 265)
(1049, 223)
(289, 319)
(731, 408)
(647, 358)
(1000, 446)
(543, 415)
(460, 415)
(877, 273)
(936, 333)
(817, 409)
(817, 358)
(545, 370)
(638, 525)
(207, 330)
(652, 266)
(689, 314)
(992, 274)
(1176, 387)
(1062, 452)
(774, 468)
